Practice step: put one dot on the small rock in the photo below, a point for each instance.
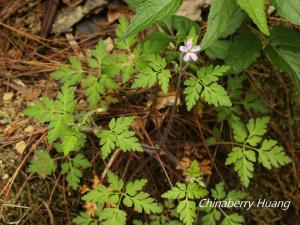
(20, 147)
(29, 129)
(8, 96)
(5, 176)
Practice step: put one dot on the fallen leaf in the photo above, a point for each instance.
(10, 129)
(205, 167)
(91, 207)
(96, 181)
(31, 93)
(83, 189)
(164, 101)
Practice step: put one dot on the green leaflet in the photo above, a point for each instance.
(269, 153)
(107, 68)
(233, 219)
(288, 9)
(119, 136)
(205, 86)
(71, 74)
(256, 11)
(155, 72)
(284, 52)
(113, 216)
(58, 113)
(186, 195)
(131, 195)
(84, 219)
(42, 164)
(72, 169)
(244, 50)
(121, 27)
(215, 215)
(149, 12)
(224, 18)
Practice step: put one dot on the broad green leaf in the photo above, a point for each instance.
(156, 42)
(224, 18)
(256, 11)
(133, 4)
(149, 12)
(288, 9)
(218, 50)
(244, 50)
(284, 52)
(42, 164)
(183, 26)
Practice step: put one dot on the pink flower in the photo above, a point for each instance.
(190, 51)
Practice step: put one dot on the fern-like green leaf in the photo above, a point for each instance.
(71, 74)
(119, 136)
(205, 86)
(42, 164)
(270, 154)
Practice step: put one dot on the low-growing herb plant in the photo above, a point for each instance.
(208, 72)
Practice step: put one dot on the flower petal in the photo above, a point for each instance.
(197, 48)
(186, 57)
(189, 44)
(182, 48)
(194, 56)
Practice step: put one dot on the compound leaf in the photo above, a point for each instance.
(42, 164)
